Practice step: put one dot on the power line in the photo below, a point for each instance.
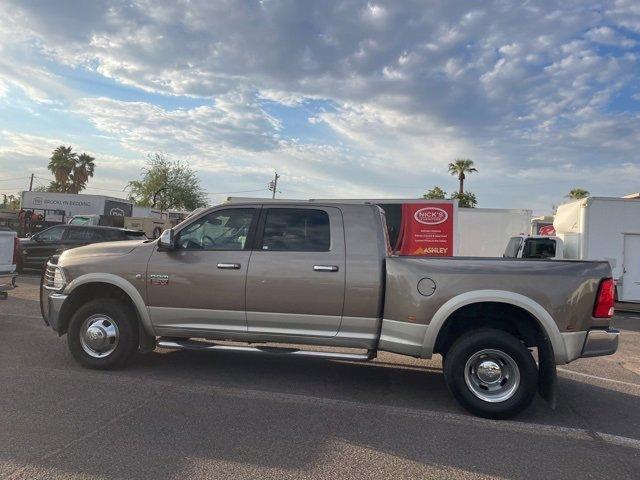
(11, 179)
(107, 189)
(239, 191)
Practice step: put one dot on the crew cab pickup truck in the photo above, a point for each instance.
(321, 273)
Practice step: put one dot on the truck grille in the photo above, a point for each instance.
(49, 273)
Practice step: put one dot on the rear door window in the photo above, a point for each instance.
(296, 230)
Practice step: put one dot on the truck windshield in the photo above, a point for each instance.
(80, 221)
(512, 247)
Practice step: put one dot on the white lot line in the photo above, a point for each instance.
(569, 433)
(22, 315)
(595, 377)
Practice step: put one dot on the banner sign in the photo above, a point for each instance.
(427, 229)
(548, 230)
(117, 209)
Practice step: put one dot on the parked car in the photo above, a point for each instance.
(7, 261)
(34, 251)
(320, 273)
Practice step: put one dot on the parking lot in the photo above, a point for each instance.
(231, 415)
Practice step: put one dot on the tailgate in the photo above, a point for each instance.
(7, 239)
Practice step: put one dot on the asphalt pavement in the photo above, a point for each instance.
(175, 414)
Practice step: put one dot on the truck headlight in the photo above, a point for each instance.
(54, 278)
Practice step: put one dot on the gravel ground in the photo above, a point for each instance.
(231, 415)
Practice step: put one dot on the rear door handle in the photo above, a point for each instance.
(325, 268)
(229, 266)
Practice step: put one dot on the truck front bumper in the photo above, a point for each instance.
(600, 342)
(50, 307)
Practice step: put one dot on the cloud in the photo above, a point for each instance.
(609, 36)
(515, 86)
(232, 120)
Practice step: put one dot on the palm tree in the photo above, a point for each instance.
(577, 193)
(459, 167)
(61, 164)
(82, 171)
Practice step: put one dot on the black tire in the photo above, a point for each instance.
(124, 319)
(474, 342)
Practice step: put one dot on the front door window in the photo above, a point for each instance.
(222, 230)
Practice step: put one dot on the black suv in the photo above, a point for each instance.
(35, 251)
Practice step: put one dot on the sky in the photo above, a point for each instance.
(344, 98)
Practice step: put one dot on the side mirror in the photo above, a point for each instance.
(166, 240)
(35, 238)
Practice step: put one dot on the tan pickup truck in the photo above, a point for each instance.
(319, 273)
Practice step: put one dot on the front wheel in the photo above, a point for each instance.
(491, 373)
(103, 334)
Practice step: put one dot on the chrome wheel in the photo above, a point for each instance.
(492, 375)
(99, 335)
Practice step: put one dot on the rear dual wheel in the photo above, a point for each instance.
(491, 373)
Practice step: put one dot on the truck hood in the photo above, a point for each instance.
(105, 248)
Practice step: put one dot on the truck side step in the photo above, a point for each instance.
(188, 344)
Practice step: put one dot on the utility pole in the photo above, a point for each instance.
(31, 183)
(273, 185)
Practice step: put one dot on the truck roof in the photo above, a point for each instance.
(282, 201)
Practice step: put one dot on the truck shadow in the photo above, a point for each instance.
(272, 413)
(249, 415)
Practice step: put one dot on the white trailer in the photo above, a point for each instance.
(483, 232)
(604, 228)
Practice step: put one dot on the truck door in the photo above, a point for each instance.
(296, 277)
(200, 285)
(631, 275)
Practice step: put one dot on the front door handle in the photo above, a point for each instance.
(229, 266)
(325, 268)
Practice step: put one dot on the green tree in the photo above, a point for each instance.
(10, 202)
(168, 184)
(436, 193)
(577, 193)
(460, 167)
(466, 199)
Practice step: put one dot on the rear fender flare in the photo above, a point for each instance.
(125, 285)
(538, 312)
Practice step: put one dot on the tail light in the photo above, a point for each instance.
(16, 250)
(604, 301)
